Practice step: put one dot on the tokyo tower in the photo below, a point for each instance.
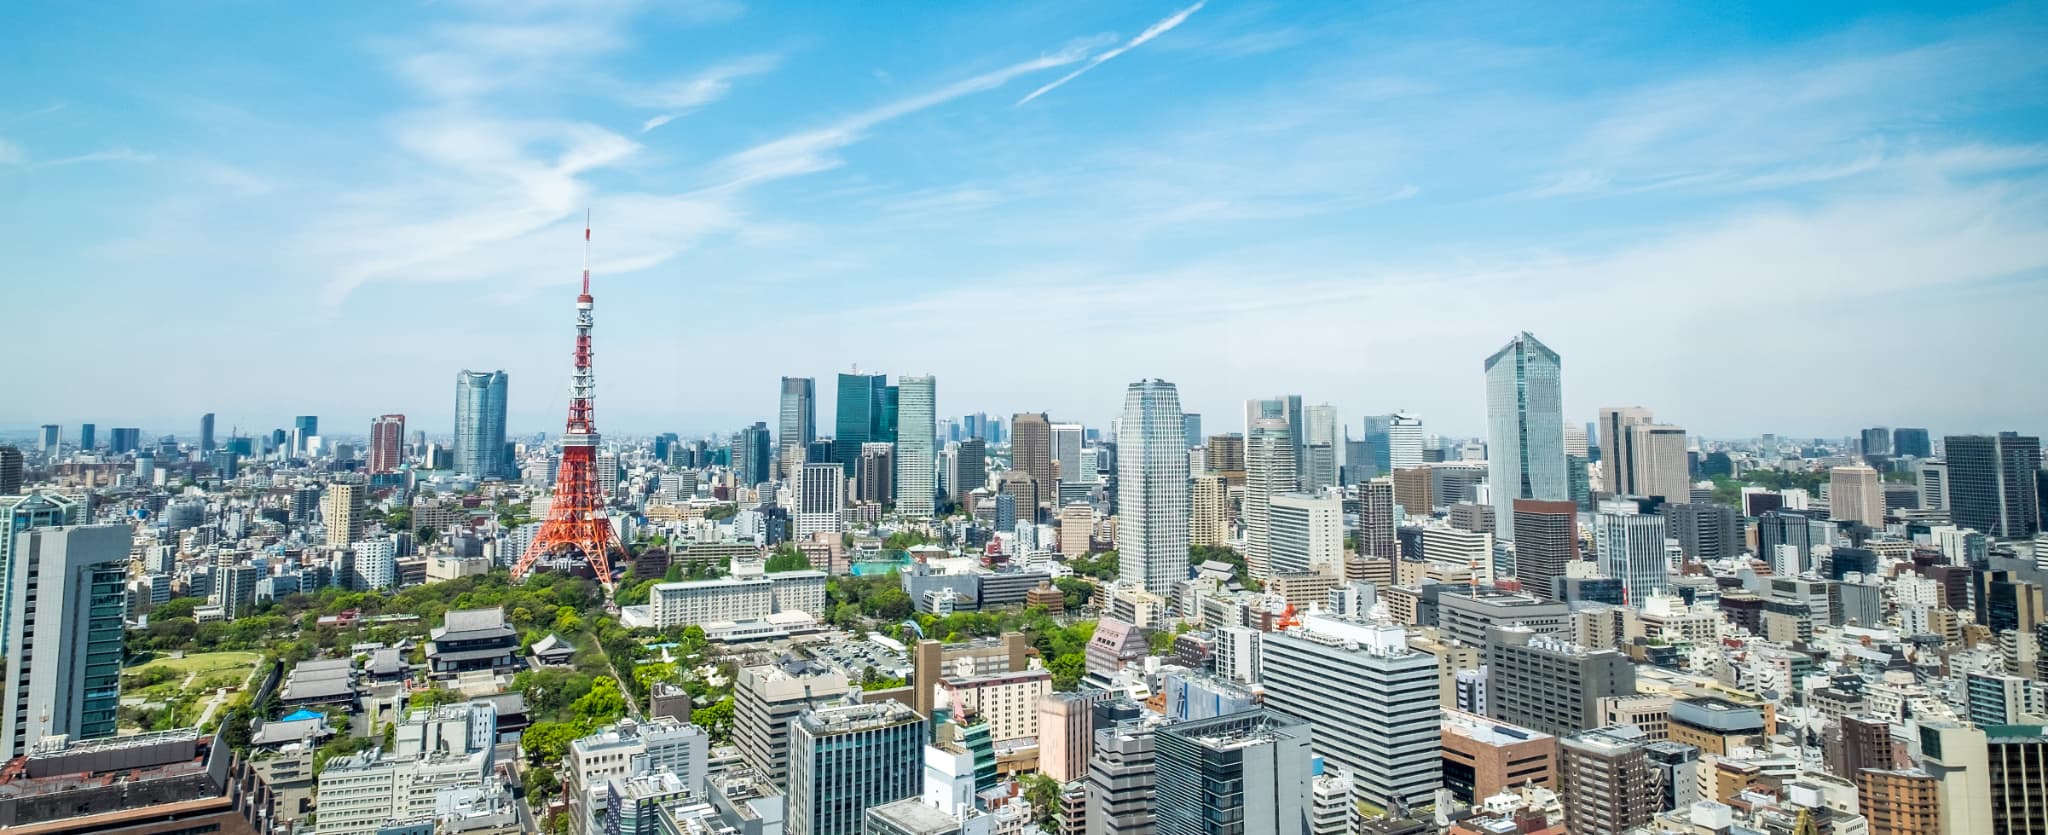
(576, 525)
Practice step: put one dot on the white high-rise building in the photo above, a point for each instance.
(376, 564)
(1856, 494)
(820, 498)
(1268, 472)
(916, 444)
(1067, 450)
(1658, 463)
(1404, 442)
(1370, 698)
(1934, 485)
(1630, 547)
(66, 604)
(1525, 428)
(1152, 488)
(1307, 533)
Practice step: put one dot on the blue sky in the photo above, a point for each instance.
(1747, 217)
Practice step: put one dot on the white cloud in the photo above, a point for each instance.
(10, 153)
(1153, 31)
(811, 151)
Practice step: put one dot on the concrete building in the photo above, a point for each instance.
(1602, 775)
(1464, 613)
(1483, 757)
(847, 758)
(766, 699)
(597, 767)
(1630, 547)
(1121, 793)
(439, 753)
(1066, 733)
(1546, 544)
(1376, 520)
(1855, 494)
(1208, 517)
(1370, 698)
(1306, 534)
(1615, 422)
(341, 511)
(1705, 531)
(820, 499)
(1006, 701)
(1240, 773)
(1549, 684)
(65, 608)
(736, 599)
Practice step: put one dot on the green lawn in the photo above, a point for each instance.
(204, 663)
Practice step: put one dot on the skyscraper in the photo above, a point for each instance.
(1546, 541)
(798, 425)
(1877, 441)
(88, 435)
(1286, 408)
(1376, 524)
(387, 443)
(846, 758)
(1631, 549)
(1657, 464)
(1206, 519)
(1322, 450)
(1614, 425)
(885, 426)
(858, 416)
(916, 446)
(1031, 454)
(1856, 495)
(19, 513)
(51, 435)
(206, 432)
(480, 424)
(1239, 773)
(1305, 533)
(1152, 488)
(1991, 483)
(970, 469)
(1269, 472)
(306, 426)
(1191, 429)
(66, 603)
(1404, 442)
(10, 470)
(1525, 428)
(1067, 449)
(751, 455)
(1913, 443)
(341, 510)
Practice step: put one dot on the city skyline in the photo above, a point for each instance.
(1270, 171)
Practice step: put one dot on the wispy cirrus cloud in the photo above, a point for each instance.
(812, 151)
(679, 97)
(1153, 31)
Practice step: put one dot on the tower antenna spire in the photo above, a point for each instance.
(586, 250)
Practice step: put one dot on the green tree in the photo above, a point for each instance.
(1043, 793)
(604, 703)
(787, 559)
(715, 719)
(547, 742)
(1067, 671)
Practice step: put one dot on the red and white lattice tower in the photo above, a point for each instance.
(576, 525)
